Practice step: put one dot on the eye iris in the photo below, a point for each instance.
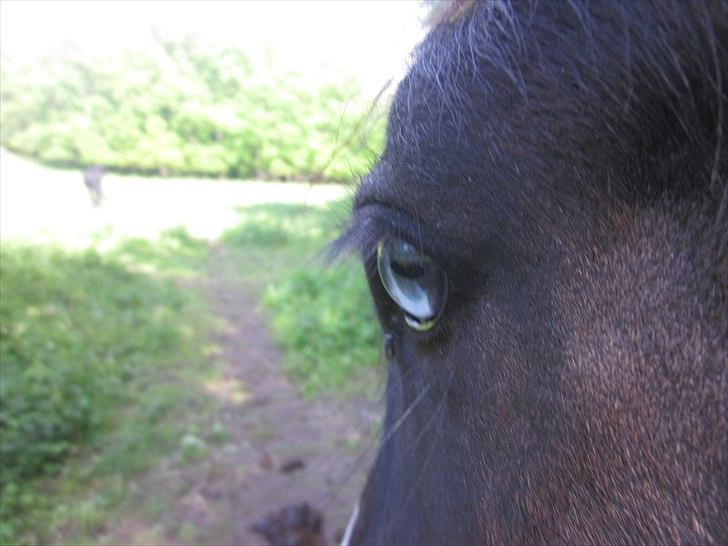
(413, 280)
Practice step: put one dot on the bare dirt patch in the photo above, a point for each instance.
(280, 448)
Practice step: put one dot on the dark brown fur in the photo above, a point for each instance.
(565, 164)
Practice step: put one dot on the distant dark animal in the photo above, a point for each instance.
(545, 239)
(92, 179)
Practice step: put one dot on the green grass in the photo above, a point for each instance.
(105, 354)
(325, 322)
(173, 253)
(90, 359)
(321, 315)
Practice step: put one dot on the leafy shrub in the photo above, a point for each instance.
(78, 334)
(181, 107)
(325, 322)
(321, 316)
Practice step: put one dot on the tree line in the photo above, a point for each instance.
(182, 107)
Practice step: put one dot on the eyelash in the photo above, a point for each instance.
(373, 221)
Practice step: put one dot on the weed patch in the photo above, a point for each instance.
(322, 316)
(84, 342)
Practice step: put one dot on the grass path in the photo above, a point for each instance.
(226, 472)
(260, 424)
(270, 425)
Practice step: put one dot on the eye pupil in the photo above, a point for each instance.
(410, 270)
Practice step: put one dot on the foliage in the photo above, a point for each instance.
(322, 316)
(104, 358)
(325, 321)
(174, 253)
(187, 108)
(82, 339)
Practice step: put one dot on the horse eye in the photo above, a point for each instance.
(414, 281)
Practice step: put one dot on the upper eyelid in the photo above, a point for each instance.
(361, 237)
(379, 220)
(374, 220)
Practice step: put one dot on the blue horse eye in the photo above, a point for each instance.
(413, 280)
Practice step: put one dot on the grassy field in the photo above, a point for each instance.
(108, 346)
(90, 354)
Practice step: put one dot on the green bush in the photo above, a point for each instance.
(325, 321)
(181, 107)
(321, 316)
(79, 335)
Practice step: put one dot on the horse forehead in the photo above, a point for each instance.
(440, 154)
(446, 201)
(457, 175)
(455, 143)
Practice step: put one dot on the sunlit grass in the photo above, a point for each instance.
(41, 205)
(228, 389)
(105, 328)
(321, 314)
(100, 366)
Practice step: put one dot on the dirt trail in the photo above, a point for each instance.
(270, 425)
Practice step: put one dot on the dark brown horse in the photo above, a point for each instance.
(545, 237)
